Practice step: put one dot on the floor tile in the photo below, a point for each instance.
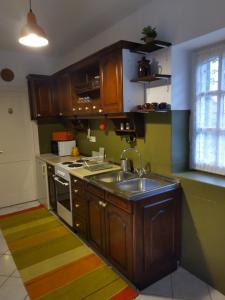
(3, 245)
(215, 295)
(13, 289)
(16, 274)
(7, 265)
(3, 279)
(188, 287)
(160, 290)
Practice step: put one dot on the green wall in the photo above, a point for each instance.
(203, 231)
(154, 148)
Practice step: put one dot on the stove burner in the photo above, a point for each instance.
(66, 163)
(75, 165)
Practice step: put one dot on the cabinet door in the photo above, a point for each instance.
(119, 238)
(63, 94)
(96, 222)
(40, 96)
(51, 188)
(111, 82)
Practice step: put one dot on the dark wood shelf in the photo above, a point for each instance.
(86, 90)
(125, 131)
(151, 78)
(151, 47)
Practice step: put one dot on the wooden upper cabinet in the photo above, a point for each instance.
(40, 96)
(111, 82)
(63, 95)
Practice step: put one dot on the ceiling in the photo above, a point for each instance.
(68, 23)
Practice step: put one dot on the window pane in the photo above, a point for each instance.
(205, 148)
(221, 155)
(222, 113)
(213, 74)
(206, 112)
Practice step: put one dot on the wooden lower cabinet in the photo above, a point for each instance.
(118, 236)
(140, 238)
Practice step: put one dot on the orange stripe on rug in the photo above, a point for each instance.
(126, 294)
(38, 239)
(58, 278)
(2, 217)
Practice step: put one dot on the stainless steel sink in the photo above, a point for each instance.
(132, 187)
(138, 185)
(115, 176)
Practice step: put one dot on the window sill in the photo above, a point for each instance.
(212, 179)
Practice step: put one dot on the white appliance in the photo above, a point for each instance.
(62, 148)
(42, 182)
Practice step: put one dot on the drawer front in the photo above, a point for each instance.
(80, 207)
(80, 226)
(96, 191)
(77, 187)
(124, 204)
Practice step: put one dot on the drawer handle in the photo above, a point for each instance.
(77, 225)
(77, 205)
(76, 191)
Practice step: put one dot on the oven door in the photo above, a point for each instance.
(62, 191)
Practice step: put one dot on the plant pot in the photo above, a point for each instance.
(149, 39)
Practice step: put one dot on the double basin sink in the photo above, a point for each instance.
(130, 186)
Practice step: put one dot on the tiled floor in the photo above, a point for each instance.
(180, 285)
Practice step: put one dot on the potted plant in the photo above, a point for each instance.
(149, 33)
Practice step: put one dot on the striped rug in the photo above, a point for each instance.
(55, 264)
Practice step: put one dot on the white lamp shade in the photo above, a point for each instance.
(32, 34)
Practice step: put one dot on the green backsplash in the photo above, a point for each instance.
(44, 131)
(154, 148)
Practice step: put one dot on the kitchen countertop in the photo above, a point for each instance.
(80, 172)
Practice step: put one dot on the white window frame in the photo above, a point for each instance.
(198, 161)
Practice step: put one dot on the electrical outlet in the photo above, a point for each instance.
(92, 139)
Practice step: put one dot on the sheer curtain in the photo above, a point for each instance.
(208, 110)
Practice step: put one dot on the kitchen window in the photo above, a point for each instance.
(208, 110)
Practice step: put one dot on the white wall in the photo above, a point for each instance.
(18, 135)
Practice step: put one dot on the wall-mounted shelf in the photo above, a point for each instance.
(87, 90)
(151, 78)
(151, 47)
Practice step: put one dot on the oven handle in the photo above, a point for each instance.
(63, 183)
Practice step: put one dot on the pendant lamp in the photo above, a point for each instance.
(32, 35)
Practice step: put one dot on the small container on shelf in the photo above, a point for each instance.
(144, 67)
(121, 126)
(127, 127)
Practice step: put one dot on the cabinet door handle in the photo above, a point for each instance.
(161, 211)
(104, 204)
(77, 205)
(38, 115)
(77, 225)
(75, 181)
(76, 191)
(100, 203)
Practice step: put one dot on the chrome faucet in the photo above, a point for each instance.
(139, 169)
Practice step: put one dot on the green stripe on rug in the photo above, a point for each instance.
(54, 262)
(24, 218)
(84, 286)
(108, 291)
(45, 251)
(36, 228)
(30, 224)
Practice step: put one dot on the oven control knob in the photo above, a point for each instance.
(77, 205)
